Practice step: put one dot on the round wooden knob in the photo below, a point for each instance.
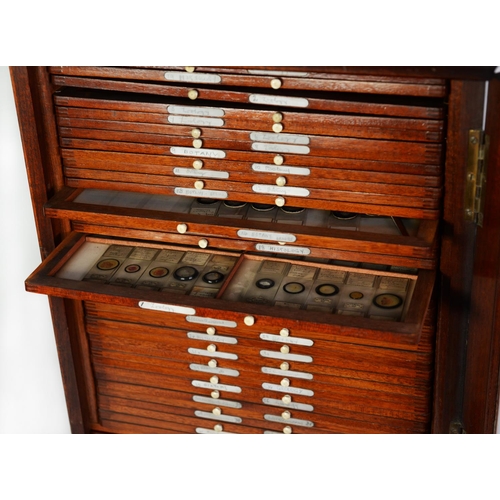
(212, 348)
(193, 94)
(249, 320)
(277, 127)
(286, 415)
(218, 428)
(217, 411)
(197, 143)
(203, 243)
(182, 228)
(214, 379)
(281, 181)
(284, 349)
(215, 394)
(196, 132)
(285, 366)
(286, 430)
(197, 164)
(287, 399)
(277, 117)
(278, 160)
(212, 363)
(280, 201)
(284, 332)
(189, 69)
(276, 83)
(211, 330)
(199, 184)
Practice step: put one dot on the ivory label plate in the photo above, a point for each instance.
(289, 421)
(286, 357)
(219, 371)
(200, 193)
(261, 247)
(292, 405)
(218, 402)
(265, 235)
(216, 354)
(201, 430)
(286, 340)
(285, 191)
(275, 169)
(288, 373)
(269, 147)
(192, 172)
(154, 306)
(220, 418)
(195, 111)
(288, 390)
(211, 321)
(195, 120)
(281, 138)
(180, 76)
(213, 338)
(202, 153)
(220, 387)
(276, 100)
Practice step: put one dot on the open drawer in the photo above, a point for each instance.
(349, 304)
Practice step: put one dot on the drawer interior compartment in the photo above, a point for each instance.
(380, 306)
(245, 226)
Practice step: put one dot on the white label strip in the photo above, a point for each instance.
(276, 73)
(269, 147)
(261, 247)
(200, 193)
(288, 373)
(195, 111)
(202, 153)
(276, 169)
(218, 402)
(219, 387)
(212, 338)
(286, 357)
(221, 418)
(275, 100)
(288, 191)
(289, 421)
(195, 120)
(281, 138)
(201, 430)
(286, 340)
(288, 390)
(292, 405)
(219, 371)
(166, 308)
(216, 354)
(192, 172)
(264, 235)
(211, 321)
(179, 76)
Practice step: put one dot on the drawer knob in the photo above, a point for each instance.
(286, 430)
(189, 69)
(278, 160)
(214, 379)
(249, 320)
(284, 332)
(276, 83)
(286, 415)
(215, 394)
(287, 399)
(212, 363)
(197, 143)
(285, 383)
(196, 132)
(193, 94)
(218, 428)
(284, 366)
(277, 117)
(211, 330)
(203, 243)
(280, 201)
(199, 184)
(197, 164)
(217, 411)
(277, 127)
(284, 349)
(212, 348)
(281, 181)
(182, 228)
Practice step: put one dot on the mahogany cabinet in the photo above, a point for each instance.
(268, 250)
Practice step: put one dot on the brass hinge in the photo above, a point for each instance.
(476, 176)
